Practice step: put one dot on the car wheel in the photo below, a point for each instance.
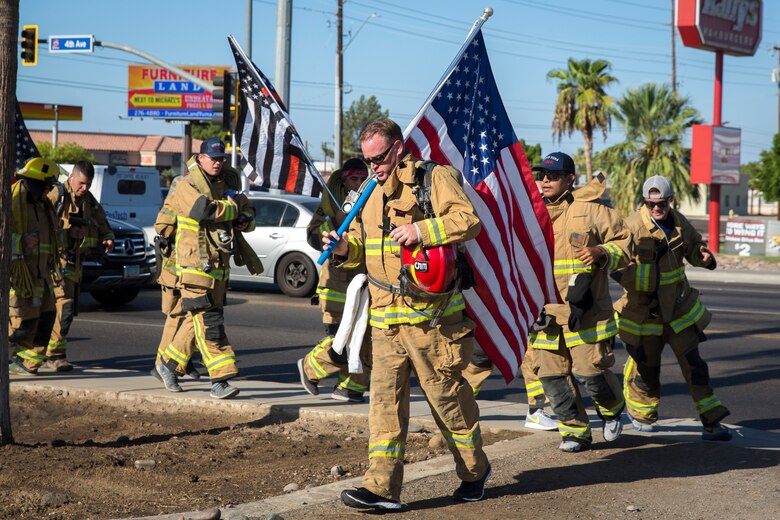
(115, 297)
(296, 275)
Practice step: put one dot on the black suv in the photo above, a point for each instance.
(116, 278)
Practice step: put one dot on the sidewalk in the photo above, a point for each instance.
(697, 274)
(292, 400)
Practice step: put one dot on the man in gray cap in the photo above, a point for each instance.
(660, 307)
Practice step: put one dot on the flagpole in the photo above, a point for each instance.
(487, 13)
(297, 141)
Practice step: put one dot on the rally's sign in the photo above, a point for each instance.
(730, 26)
(159, 93)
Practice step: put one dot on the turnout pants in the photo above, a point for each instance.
(642, 381)
(204, 321)
(480, 368)
(559, 371)
(29, 330)
(322, 362)
(65, 296)
(438, 356)
(180, 354)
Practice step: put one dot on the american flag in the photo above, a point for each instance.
(25, 147)
(268, 141)
(465, 125)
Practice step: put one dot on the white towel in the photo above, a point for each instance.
(353, 323)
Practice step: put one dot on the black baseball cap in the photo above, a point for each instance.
(556, 162)
(213, 147)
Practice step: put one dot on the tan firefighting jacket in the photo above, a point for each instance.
(204, 224)
(657, 292)
(72, 251)
(580, 220)
(332, 287)
(165, 226)
(394, 203)
(32, 270)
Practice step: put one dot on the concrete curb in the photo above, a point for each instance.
(733, 276)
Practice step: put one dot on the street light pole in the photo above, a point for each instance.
(339, 84)
(283, 31)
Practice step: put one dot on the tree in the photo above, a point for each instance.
(767, 178)
(582, 104)
(66, 153)
(9, 30)
(359, 114)
(168, 174)
(203, 130)
(655, 120)
(533, 152)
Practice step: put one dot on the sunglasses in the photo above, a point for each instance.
(552, 176)
(379, 159)
(663, 204)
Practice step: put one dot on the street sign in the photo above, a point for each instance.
(72, 43)
(154, 91)
(50, 112)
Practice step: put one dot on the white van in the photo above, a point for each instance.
(128, 193)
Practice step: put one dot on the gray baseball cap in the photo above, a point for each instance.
(656, 182)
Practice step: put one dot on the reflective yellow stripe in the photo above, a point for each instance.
(181, 358)
(348, 383)
(388, 449)
(647, 411)
(216, 274)
(464, 441)
(383, 318)
(670, 277)
(689, 318)
(534, 389)
(57, 345)
(570, 267)
(311, 357)
(230, 209)
(29, 354)
(614, 253)
(325, 227)
(436, 233)
(569, 430)
(331, 295)
(640, 329)
(642, 281)
(187, 223)
(708, 403)
(598, 333)
(374, 246)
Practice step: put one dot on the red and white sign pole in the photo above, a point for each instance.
(714, 205)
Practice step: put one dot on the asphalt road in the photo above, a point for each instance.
(270, 331)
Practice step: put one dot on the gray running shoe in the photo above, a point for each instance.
(223, 390)
(168, 378)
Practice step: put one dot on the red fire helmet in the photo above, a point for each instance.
(431, 269)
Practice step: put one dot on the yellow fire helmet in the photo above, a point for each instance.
(40, 169)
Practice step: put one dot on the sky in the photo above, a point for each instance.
(397, 51)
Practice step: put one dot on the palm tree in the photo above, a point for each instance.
(582, 102)
(654, 119)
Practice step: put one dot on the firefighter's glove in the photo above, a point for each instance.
(543, 321)
(580, 299)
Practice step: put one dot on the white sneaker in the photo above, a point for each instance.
(612, 429)
(540, 420)
(642, 427)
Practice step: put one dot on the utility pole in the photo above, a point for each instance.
(283, 31)
(339, 84)
(674, 62)
(776, 79)
(249, 29)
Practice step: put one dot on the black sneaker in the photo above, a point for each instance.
(348, 396)
(472, 491)
(361, 498)
(309, 386)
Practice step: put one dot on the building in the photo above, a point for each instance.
(159, 151)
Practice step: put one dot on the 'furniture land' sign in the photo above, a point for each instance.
(159, 93)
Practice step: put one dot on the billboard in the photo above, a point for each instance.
(156, 92)
(715, 154)
(730, 26)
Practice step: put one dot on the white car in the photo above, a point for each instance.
(279, 239)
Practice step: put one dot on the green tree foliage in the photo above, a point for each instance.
(66, 153)
(767, 177)
(533, 152)
(655, 120)
(168, 174)
(203, 130)
(360, 113)
(583, 104)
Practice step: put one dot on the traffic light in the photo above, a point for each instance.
(30, 45)
(225, 100)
